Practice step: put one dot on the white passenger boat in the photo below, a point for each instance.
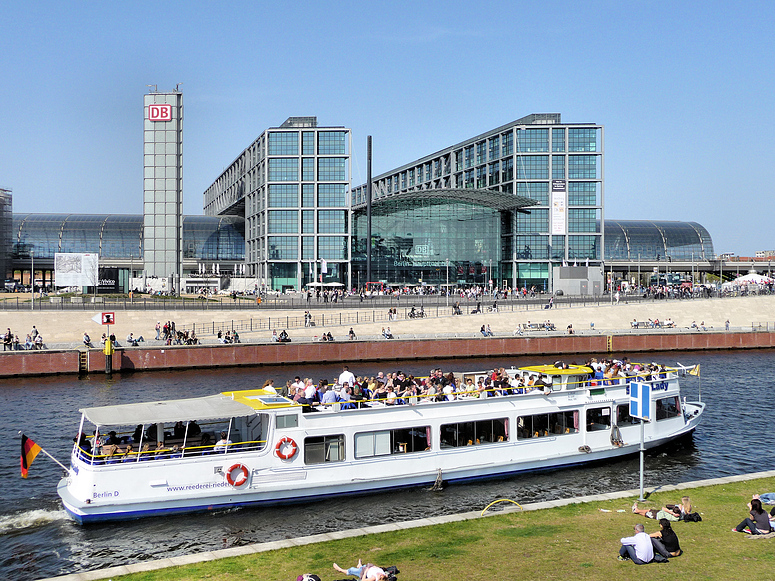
(274, 453)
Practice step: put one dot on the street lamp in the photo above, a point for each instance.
(447, 289)
(32, 279)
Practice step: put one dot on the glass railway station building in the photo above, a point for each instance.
(520, 205)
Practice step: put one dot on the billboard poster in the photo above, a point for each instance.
(559, 215)
(75, 269)
(108, 281)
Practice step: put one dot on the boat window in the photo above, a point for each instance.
(287, 421)
(623, 417)
(554, 424)
(598, 419)
(474, 433)
(387, 442)
(668, 407)
(322, 449)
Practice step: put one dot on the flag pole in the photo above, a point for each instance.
(50, 456)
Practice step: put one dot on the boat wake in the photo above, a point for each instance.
(30, 519)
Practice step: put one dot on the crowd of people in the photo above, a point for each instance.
(33, 341)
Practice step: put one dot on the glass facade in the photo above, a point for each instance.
(414, 238)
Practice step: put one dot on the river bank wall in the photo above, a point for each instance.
(74, 361)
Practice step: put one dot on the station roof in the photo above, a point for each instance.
(489, 198)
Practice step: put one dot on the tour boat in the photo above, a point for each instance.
(277, 451)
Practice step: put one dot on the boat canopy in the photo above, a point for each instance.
(176, 410)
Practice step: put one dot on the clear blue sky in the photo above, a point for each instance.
(685, 91)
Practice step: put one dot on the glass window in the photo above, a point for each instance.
(552, 424)
(308, 249)
(481, 177)
(411, 178)
(558, 140)
(283, 143)
(532, 140)
(332, 169)
(558, 167)
(532, 167)
(469, 178)
(332, 142)
(598, 419)
(508, 170)
(283, 222)
(532, 247)
(494, 173)
(322, 449)
(583, 247)
(581, 139)
(558, 247)
(582, 166)
(538, 191)
(507, 144)
(308, 169)
(535, 221)
(332, 195)
(283, 248)
(481, 152)
(308, 143)
(583, 194)
(332, 221)
(307, 196)
(283, 169)
(283, 195)
(332, 247)
(469, 151)
(308, 222)
(474, 433)
(623, 417)
(495, 148)
(668, 407)
(582, 220)
(388, 442)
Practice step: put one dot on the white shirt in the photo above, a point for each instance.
(346, 376)
(644, 550)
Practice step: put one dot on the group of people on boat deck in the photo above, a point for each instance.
(399, 388)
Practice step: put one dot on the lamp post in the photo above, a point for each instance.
(490, 276)
(32, 279)
(447, 289)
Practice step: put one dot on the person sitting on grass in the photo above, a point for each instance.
(758, 522)
(638, 547)
(367, 572)
(665, 541)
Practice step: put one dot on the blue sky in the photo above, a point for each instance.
(684, 90)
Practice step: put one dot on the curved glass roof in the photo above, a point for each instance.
(656, 240)
(121, 236)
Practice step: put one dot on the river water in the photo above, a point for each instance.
(39, 540)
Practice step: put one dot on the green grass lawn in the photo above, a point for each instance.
(575, 542)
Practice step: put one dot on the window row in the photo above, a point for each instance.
(287, 195)
(417, 439)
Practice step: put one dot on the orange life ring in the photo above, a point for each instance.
(241, 479)
(280, 446)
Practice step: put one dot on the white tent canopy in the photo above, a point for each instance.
(210, 407)
(751, 278)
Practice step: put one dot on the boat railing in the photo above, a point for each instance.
(118, 456)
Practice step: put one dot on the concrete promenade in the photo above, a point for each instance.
(333, 536)
(64, 329)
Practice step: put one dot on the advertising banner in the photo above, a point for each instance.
(559, 215)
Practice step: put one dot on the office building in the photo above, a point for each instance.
(291, 185)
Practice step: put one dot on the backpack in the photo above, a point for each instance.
(693, 517)
(307, 577)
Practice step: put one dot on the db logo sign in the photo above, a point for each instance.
(160, 112)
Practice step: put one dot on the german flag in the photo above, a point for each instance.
(29, 451)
